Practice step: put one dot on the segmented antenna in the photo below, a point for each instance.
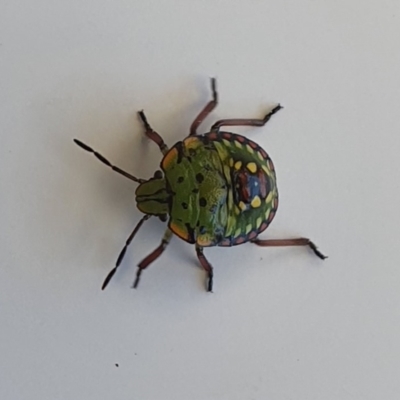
(122, 254)
(105, 161)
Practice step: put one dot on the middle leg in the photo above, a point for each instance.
(152, 256)
(207, 267)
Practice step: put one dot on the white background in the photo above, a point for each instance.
(281, 324)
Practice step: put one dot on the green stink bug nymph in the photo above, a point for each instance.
(214, 189)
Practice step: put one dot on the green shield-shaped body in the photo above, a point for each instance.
(222, 187)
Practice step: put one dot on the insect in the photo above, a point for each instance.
(214, 189)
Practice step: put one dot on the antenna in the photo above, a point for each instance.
(105, 161)
(122, 254)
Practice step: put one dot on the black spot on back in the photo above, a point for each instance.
(179, 148)
(195, 190)
(199, 177)
(180, 179)
(184, 205)
(203, 202)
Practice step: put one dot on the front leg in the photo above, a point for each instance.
(206, 110)
(152, 256)
(152, 135)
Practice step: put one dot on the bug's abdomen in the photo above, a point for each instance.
(252, 198)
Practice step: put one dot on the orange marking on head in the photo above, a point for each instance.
(179, 231)
(169, 158)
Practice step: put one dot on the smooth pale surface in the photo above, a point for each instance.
(281, 324)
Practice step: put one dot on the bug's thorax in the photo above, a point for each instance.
(153, 197)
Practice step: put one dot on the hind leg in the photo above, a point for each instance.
(290, 242)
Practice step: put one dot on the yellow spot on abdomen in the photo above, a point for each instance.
(238, 144)
(269, 197)
(265, 168)
(238, 232)
(238, 165)
(231, 162)
(249, 149)
(227, 173)
(256, 202)
(242, 206)
(226, 142)
(252, 167)
(248, 229)
(203, 241)
(258, 222)
(260, 156)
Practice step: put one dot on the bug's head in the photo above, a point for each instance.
(152, 197)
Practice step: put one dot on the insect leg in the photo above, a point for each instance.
(122, 254)
(152, 256)
(207, 266)
(206, 110)
(152, 135)
(290, 242)
(245, 121)
(105, 161)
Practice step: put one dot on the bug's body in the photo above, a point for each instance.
(216, 189)
(221, 189)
